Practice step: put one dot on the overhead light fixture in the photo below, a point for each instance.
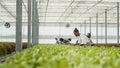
(7, 25)
(67, 25)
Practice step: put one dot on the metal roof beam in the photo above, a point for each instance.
(66, 9)
(6, 9)
(25, 7)
(46, 9)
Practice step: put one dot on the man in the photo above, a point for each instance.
(63, 41)
(57, 41)
(89, 37)
(67, 41)
(82, 39)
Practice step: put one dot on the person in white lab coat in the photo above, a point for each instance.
(82, 38)
(89, 37)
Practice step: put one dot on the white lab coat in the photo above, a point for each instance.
(83, 39)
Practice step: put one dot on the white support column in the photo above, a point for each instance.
(59, 29)
(18, 25)
(29, 23)
(101, 32)
(35, 23)
(118, 23)
(90, 24)
(105, 26)
(96, 28)
(80, 27)
(85, 27)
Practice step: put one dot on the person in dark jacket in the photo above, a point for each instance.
(63, 41)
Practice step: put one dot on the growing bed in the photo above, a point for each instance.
(65, 56)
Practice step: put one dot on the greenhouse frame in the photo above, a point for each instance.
(100, 16)
(27, 23)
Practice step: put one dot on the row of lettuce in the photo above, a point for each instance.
(9, 47)
(65, 56)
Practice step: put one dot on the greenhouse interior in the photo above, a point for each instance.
(59, 33)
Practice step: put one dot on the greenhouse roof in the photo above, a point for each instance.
(72, 11)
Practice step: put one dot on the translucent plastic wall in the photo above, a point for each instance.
(58, 18)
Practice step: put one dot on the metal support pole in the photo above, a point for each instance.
(18, 25)
(29, 23)
(60, 29)
(90, 24)
(35, 23)
(118, 22)
(96, 28)
(80, 27)
(105, 26)
(101, 33)
(85, 27)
